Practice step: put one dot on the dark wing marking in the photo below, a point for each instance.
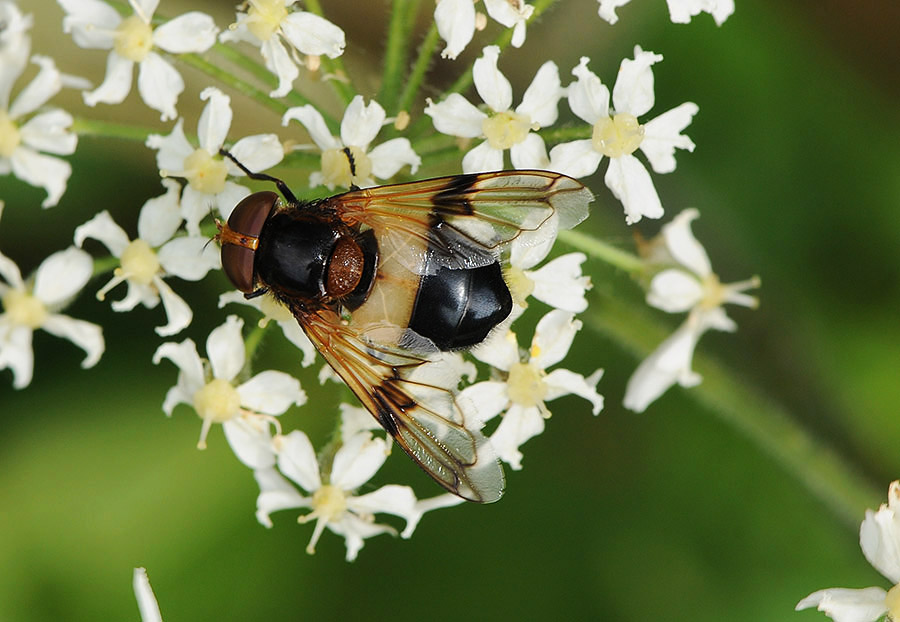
(411, 396)
(462, 221)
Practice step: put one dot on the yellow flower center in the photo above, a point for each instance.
(205, 173)
(24, 309)
(617, 136)
(520, 286)
(505, 129)
(892, 602)
(133, 39)
(329, 503)
(139, 262)
(525, 385)
(336, 167)
(264, 17)
(217, 401)
(9, 135)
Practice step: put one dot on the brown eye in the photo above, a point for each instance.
(240, 238)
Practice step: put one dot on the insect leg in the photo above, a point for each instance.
(352, 162)
(261, 176)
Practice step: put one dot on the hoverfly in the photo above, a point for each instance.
(384, 279)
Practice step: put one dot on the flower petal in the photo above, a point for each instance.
(575, 159)
(499, 350)
(482, 158)
(662, 136)
(674, 291)
(517, 426)
(49, 132)
(846, 605)
(225, 349)
(455, 20)
(455, 116)
(160, 84)
(633, 92)
(189, 258)
(44, 86)
(116, 85)
(492, 86)
(178, 312)
(314, 123)
(553, 337)
(297, 460)
(160, 216)
(484, 400)
(91, 22)
(879, 536)
(531, 153)
(104, 229)
(276, 494)
(147, 605)
(250, 441)
(361, 122)
(561, 284)
(62, 275)
(171, 150)
(271, 392)
(541, 99)
(279, 62)
(190, 368)
(16, 353)
(313, 35)
(561, 382)
(191, 32)
(358, 459)
(631, 184)
(683, 246)
(257, 153)
(588, 97)
(607, 9)
(390, 156)
(87, 336)
(47, 172)
(215, 120)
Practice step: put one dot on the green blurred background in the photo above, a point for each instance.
(673, 513)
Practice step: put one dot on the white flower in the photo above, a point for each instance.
(246, 410)
(205, 170)
(503, 128)
(270, 25)
(96, 25)
(144, 594)
(527, 384)
(15, 44)
(274, 310)
(33, 304)
(692, 286)
(359, 128)
(617, 134)
(879, 539)
(153, 256)
(25, 137)
(680, 11)
(456, 21)
(332, 495)
(558, 283)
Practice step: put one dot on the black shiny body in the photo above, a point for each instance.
(458, 308)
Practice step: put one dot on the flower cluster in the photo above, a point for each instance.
(502, 385)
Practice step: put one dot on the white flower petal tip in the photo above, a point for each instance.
(146, 600)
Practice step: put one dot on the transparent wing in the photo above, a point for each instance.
(410, 392)
(462, 221)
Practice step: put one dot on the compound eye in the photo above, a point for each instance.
(240, 238)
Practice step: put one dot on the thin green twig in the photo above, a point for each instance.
(601, 250)
(396, 53)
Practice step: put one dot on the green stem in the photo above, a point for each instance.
(603, 251)
(107, 129)
(423, 61)
(823, 471)
(102, 265)
(252, 341)
(334, 66)
(403, 13)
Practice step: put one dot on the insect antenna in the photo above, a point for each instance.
(261, 177)
(352, 162)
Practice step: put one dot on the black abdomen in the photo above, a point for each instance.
(458, 308)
